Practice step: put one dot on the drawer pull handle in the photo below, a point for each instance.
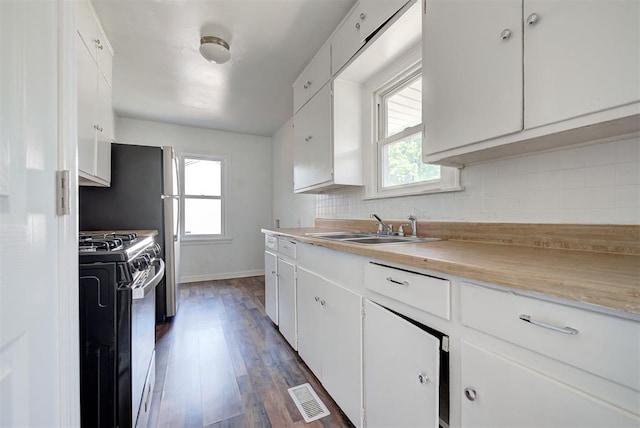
(565, 330)
(396, 281)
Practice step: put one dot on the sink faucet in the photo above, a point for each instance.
(414, 225)
(383, 228)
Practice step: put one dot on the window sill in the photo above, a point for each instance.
(369, 197)
(206, 241)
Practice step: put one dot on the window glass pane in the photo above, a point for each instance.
(202, 216)
(202, 177)
(402, 163)
(404, 108)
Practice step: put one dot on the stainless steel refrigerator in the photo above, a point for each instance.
(144, 194)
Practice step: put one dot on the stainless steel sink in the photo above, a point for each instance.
(340, 235)
(378, 240)
(368, 238)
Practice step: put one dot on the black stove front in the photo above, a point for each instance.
(118, 275)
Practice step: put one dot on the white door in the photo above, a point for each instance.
(341, 353)
(310, 326)
(287, 301)
(502, 393)
(38, 249)
(396, 354)
(472, 72)
(271, 286)
(580, 57)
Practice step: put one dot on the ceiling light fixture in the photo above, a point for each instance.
(214, 49)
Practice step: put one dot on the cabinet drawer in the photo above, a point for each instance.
(287, 248)
(420, 291)
(601, 344)
(271, 242)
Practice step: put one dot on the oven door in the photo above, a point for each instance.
(143, 336)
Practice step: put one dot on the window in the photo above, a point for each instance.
(398, 142)
(203, 197)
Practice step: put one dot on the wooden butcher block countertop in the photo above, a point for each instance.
(606, 280)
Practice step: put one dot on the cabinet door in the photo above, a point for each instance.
(310, 329)
(312, 142)
(396, 352)
(87, 92)
(287, 301)
(472, 78)
(341, 356)
(87, 26)
(580, 57)
(314, 76)
(374, 13)
(271, 286)
(346, 41)
(507, 394)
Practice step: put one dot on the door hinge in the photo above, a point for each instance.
(445, 343)
(62, 193)
(362, 312)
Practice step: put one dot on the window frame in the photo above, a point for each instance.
(224, 227)
(387, 81)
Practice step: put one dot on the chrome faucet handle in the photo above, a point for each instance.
(401, 228)
(414, 225)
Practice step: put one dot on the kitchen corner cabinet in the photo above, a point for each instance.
(401, 371)
(506, 78)
(329, 338)
(327, 140)
(95, 112)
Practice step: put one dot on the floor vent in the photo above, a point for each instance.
(307, 401)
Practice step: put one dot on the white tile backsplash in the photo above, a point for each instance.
(597, 184)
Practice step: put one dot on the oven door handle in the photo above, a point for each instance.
(143, 290)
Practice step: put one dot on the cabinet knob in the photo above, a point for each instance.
(273, 272)
(506, 33)
(357, 25)
(307, 139)
(322, 302)
(308, 84)
(422, 378)
(316, 298)
(363, 16)
(470, 393)
(533, 19)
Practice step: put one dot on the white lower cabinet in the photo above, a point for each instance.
(329, 338)
(271, 286)
(401, 371)
(498, 392)
(287, 301)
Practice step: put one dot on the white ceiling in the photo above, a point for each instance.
(159, 74)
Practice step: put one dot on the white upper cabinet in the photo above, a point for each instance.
(374, 13)
(314, 76)
(472, 77)
(512, 77)
(95, 111)
(580, 57)
(327, 140)
(346, 41)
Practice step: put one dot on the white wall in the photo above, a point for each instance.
(292, 210)
(249, 199)
(598, 184)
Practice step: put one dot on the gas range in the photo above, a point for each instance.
(119, 272)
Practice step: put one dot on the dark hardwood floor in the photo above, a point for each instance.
(222, 363)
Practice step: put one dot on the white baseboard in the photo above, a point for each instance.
(226, 275)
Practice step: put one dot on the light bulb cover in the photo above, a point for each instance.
(214, 49)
